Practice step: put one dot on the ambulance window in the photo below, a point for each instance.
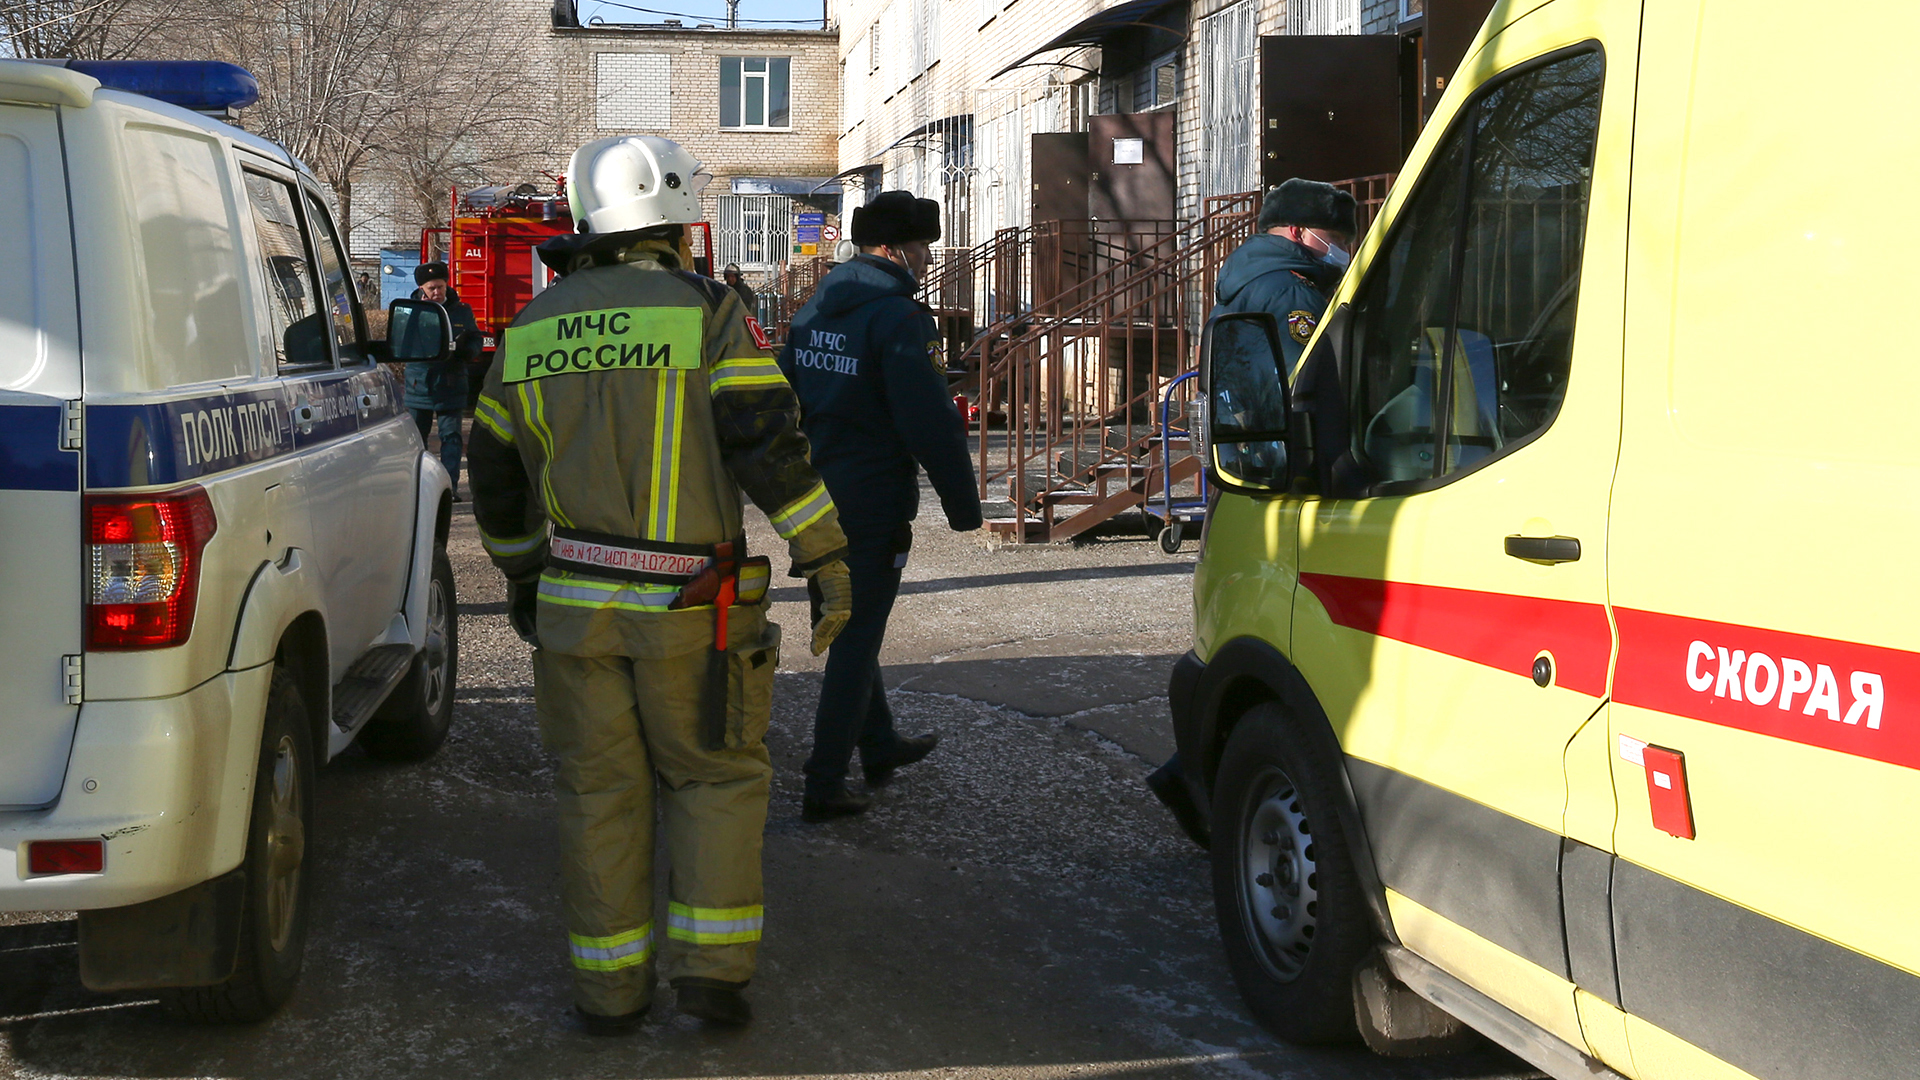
(1466, 320)
(342, 305)
(300, 333)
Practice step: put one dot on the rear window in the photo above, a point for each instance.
(190, 257)
(32, 217)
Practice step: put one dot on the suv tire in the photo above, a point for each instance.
(1292, 916)
(412, 723)
(273, 918)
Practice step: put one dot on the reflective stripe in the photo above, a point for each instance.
(665, 495)
(534, 407)
(588, 593)
(715, 926)
(612, 953)
(494, 416)
(509, 547)
(746, 371)
(802, 512)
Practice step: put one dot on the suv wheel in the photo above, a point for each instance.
(412, 723)
(1291, 914)
(273, 918)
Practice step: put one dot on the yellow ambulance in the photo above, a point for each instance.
(1556, 654)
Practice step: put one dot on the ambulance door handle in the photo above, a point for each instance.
(304, 415)
(366, 404)
(1544, 549)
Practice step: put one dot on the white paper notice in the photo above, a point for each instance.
(1129, 151)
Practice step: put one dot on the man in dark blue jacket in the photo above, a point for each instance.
(867, 362)
(1295, 259)
(439, 387)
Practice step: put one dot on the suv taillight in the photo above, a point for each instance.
(143, 567)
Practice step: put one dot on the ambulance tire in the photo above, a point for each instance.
(412, 723)
(1292, 915)
(279, 874)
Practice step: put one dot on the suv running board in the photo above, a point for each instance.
(368, 682)
(1520, 1036)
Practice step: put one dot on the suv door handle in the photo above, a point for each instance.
(1544, 549)
(367, 403)
(304, 416)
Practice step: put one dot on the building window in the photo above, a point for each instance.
(755, 92)
(1324, 17)
(1230, 157)
(1158, 84)
(633, 91)
(1412, 9)
(754, 230)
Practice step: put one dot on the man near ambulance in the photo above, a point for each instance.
(867, 361)
(1295, 259)
(631, 405)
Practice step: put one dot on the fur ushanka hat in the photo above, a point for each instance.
(896, 217)
(1309, 204)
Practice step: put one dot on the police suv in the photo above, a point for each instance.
(224, 541)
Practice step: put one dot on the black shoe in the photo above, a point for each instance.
(714, 1004)
(597, 1024)
(905, 752)
(836, 803)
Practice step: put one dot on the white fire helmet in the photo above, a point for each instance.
(634, 182)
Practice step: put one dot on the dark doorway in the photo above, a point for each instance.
(1330, 107)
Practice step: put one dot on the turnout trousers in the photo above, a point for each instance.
(623, 728)
(853, 709)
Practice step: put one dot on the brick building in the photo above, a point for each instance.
(759, 108)
(943, 98)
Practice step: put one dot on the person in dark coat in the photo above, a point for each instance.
(439, 388)
(739, 284)
(867, 362)
(1293, 262)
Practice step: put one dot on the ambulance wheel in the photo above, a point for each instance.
(1291, 913)
(273, 917)
(412, 723)
(1170, 538)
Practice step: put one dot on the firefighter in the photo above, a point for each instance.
(731, 275)
(630, 405)
(869, 366)
(439, 388)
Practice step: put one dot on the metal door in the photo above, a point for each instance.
(1330, 107)
(40, 578)
(1060, 257)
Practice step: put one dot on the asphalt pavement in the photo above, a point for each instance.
(1016, 906)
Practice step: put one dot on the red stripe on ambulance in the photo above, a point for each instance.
(1499, 630)
(1837, 695)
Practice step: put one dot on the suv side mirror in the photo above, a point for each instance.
(1248, 401)
(418, 330)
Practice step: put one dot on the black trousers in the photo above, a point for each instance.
(853, 704)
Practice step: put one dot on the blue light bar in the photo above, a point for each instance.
(200, 85)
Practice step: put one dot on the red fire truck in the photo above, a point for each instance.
(489, 249)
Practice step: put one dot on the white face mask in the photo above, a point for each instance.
(1335, 256)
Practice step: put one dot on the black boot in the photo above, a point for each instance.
(905, 752)
(625, 1024)
(714, 1004)
(834, 802)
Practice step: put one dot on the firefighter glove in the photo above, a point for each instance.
(522, 601)
(836, 604)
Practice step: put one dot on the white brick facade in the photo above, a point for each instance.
(633, 91)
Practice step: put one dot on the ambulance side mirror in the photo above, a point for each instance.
(418, 330)
(1248, 403)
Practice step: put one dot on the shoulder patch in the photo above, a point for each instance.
(936, 354)
(759, 335)
(1300, 325)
